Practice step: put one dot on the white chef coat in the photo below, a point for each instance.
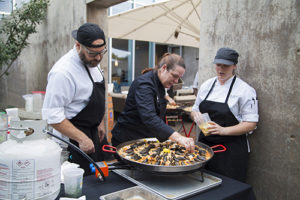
(242, 101)
(69, 88)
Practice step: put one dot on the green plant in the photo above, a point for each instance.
(15, 30)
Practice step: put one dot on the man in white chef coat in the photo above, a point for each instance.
(74, 103)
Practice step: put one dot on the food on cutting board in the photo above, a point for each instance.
(188, 109)
(169, 106)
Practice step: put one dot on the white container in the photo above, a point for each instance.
(13, 115)
(73, 182)
(37, 100)
(29, 169)
(28, 102)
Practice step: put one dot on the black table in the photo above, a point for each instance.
(229, 189)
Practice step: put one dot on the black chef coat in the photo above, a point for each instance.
(141, 117)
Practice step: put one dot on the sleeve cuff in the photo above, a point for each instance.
(53, 115)
(250, 118)
(168, 132)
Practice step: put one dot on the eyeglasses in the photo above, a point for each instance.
(174, 75)
(93, 53)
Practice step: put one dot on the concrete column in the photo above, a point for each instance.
(267, 36)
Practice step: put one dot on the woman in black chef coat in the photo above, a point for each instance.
(141, 117)
(232, 106)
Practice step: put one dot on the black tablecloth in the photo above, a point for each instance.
(229, 189)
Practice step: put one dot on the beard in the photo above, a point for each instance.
(88, 63)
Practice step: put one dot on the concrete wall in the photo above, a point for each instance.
(51, 41)
(267, 36)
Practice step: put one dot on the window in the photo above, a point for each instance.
(120, 63)
(141, 57)
(127, 5)
(139, 3)
(19, 3)
(160, 50)
(129, 57)
(7, 6)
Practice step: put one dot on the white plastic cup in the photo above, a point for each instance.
(73, 182)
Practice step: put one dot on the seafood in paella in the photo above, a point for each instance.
(167, 153)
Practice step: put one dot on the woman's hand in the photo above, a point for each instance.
(213, 129)
(172, 102)
(197, 117)
(216, 129)
(188, 143)
(239, 129)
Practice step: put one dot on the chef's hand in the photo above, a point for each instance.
(101, 131)
(172, 102)
(216, 129)
(197, 116)
(188, 143)
(69, 130)
(86, 145)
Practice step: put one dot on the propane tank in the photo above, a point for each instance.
(29, 165)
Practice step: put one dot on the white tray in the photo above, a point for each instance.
(171, 186)
(135, 192)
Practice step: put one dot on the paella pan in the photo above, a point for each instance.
(169, 157)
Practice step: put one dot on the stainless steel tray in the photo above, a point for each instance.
(171, 187)
(133, 193)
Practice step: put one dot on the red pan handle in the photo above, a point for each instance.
(219, 145)
(109, 150)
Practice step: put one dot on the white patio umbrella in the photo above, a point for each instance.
(172, 22)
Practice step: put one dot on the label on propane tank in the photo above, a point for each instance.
(23, 179)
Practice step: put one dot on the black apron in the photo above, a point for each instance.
(88, 120)
(233, 162)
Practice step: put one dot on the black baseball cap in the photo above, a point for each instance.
(226, 56)
(88, 33)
